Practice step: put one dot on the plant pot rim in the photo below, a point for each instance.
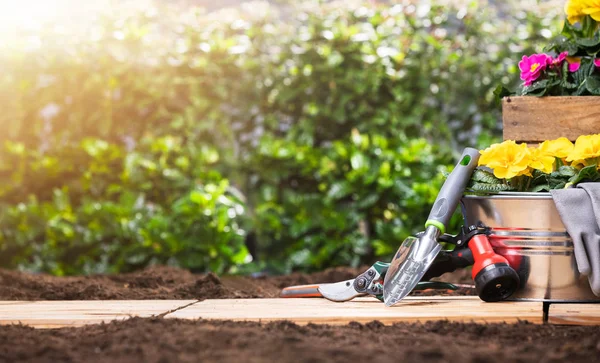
(512, 195)
(507, 98)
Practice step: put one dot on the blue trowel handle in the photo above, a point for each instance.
(452, 190)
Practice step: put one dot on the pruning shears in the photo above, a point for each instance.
(368, 283)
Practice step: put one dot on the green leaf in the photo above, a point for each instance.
(339, 190)
(588, 42)
(593, 85)
(538, 88)
(368, 201)
(567, 171)
(359, 161)
(492, 188)
(587, 174)
(565, 77)
(541, 188)
(483, 176)
(500, 92)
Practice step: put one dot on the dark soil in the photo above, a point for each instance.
(171, 340)
(167, 340)
(162, 282)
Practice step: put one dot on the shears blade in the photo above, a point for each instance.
(339, 291)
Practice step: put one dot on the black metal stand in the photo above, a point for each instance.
(546, 307)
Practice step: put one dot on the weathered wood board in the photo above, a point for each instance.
(535, 119)
(321, 311)
(54, 314)
(574, 314)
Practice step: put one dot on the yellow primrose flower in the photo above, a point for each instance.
(507, 159)
(488, 154)
(586, 147)
(574, 10)
(559, 148)
(591, 8)
(541, 161)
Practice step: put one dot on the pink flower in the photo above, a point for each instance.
(574, 67)
(557, 62)
(531, 67)
(597, 62)
(574, 63)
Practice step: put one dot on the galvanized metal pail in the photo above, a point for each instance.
(526, 229)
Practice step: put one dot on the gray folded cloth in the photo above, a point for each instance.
(579, 209)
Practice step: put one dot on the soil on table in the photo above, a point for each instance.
(161, 282)
(173, 340)
(170, 340)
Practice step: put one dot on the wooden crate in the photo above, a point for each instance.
(535, 119)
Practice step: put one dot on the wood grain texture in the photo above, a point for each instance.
(535, 119)
(321, 311)
(574, 314)
(55, 314)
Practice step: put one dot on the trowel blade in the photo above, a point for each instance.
(410, 263)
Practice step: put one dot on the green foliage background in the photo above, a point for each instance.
(175, 137)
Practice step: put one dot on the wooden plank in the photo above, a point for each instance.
(321, 311)
(575, 314)
(55, 314)
(535, 119)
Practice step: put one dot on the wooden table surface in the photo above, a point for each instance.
(54, 314)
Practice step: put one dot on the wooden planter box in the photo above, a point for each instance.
(535, 119)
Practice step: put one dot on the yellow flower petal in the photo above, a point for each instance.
(507, 159)
(559, 148)
(586, 147)
(502, 173)
(541, 160)
(488, 154)
(573, 9)
(589, 7)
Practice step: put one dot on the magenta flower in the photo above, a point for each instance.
(597, 62)
(574, 63)
(558, 61)
(531, 67)
(574, 67)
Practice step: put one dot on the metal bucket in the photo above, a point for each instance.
(526, 229)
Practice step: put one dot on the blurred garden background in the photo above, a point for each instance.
(239, 137)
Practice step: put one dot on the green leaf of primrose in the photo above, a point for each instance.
(555, 183)
(588, 42)
(568, 30)
(593, 85)
(541, 188)
(588, 173)
(482, 176)
(537, 88)
(539, 180)
(565, 77)
(500, 92)
(567, 171)
(492, 188)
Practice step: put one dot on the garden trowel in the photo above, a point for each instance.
(416, 254)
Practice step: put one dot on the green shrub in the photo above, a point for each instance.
(347, 202)
(168, 136)
(128, 210)
(413, 83)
